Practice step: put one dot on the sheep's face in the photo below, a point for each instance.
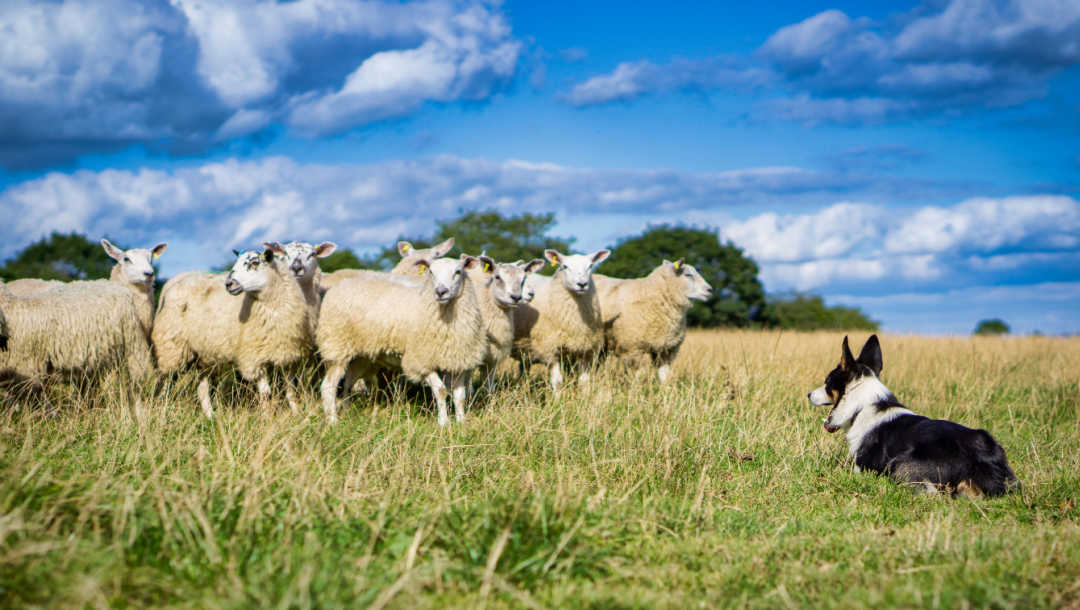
(447, 277)
(529, 280)
(577, 269)
(303, 258)
(533, 282)
(136, 264)
(251, 271)
(694, 286)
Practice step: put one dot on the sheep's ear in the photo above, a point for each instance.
(469, 261)
(553, 257)
(489, 263)
(600, 256)
(847, 361)
(679, 266)
(421, 266)
(441, 249)
(532, 266)
(268, 255)
(404, 248)
(325, 249)
(159, 249)
(274, 247)
(871, 355)
(235, 252)
(115, 253)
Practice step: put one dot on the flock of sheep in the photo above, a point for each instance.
(437, 320)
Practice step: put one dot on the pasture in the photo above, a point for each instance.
(718, 489)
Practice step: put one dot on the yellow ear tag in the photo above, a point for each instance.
(406, 247)
(156, 255)
(677, 263)
(486, 267)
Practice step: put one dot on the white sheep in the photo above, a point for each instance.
(499, 287)
(409, 255)
(564, 321)
(134, 270)
(646, 317)
(80, 328)
(253, 318)
(533, 282)
(424, 329)
(302, 259)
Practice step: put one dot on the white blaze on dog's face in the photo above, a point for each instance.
(842, 385)
(695, 287)
(136, 264)
(447, 276)
(252, 269)
(302, 258)
(577, 269)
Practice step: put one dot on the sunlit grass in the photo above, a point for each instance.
(721, 488)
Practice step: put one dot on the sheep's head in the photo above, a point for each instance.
(252, 270)
(694, 286)
(136, 264)
(407, 250)
(576, 269)
(533, 279)
(302, 258)
(505, 280)
(447, 276)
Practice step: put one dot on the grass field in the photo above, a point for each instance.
(720, 489)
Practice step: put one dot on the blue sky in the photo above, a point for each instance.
(918, 160)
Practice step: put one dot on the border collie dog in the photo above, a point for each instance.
(887, 438)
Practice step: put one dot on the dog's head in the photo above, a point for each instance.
(850, 371)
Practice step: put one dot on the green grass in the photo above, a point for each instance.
(720, 489)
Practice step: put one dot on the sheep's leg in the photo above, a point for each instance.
(204, 398)
(459, 383)
(439, 390)
(663, 372)
(290, 397)
(334, 373)
(262, 384)
(352, 373)
(556, 376)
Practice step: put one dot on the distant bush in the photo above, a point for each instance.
(808, 312)
(994, 326)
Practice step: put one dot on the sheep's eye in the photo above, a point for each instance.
(127, 259)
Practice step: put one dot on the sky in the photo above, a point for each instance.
(918, 160)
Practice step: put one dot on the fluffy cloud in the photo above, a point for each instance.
(630, 80)
(1013, 239)
(218, 206)
(84, 75)
(832, 68)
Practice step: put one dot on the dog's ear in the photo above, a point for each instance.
(847, 360)
(871, 355)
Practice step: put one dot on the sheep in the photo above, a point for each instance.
(410, 255)
(533, 282)
(134, 269)
(646, 317)
(80, 328)
(253, 318)
(422, 328)
(302, 260)
(500, 286)
(3, 330)
(564, 321)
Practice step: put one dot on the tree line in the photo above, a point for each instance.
(739, 298)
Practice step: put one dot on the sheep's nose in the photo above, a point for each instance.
(808, 395)
(148, 274)
(296, 266)
(515, 298)
(583, 285)
(441, 291)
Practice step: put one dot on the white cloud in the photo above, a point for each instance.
(83, 76)
(630, 80)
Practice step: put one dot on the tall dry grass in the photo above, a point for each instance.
(718, 489)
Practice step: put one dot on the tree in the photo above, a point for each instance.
(993, 326)
(808, 312)
(344, 258)
(503, 238)
(738, 296)
(59, 257)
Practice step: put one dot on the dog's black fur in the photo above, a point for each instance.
(914, 449)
